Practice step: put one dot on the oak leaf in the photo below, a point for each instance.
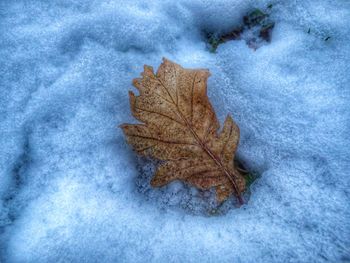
(180, 128)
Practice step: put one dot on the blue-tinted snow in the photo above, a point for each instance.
(68, 181)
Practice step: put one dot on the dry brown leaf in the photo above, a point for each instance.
(180, 128)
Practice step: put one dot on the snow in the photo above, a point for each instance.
(71, 189)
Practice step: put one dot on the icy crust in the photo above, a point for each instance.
(71, 189)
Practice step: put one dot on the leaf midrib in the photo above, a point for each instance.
(216, 159)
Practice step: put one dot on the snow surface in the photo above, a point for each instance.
(70, 186)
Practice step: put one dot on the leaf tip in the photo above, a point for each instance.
(230, 122)
(147, 70)
(122, 126)
(167, 61)
(156, 182)
(136, 83)
(228, 118)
